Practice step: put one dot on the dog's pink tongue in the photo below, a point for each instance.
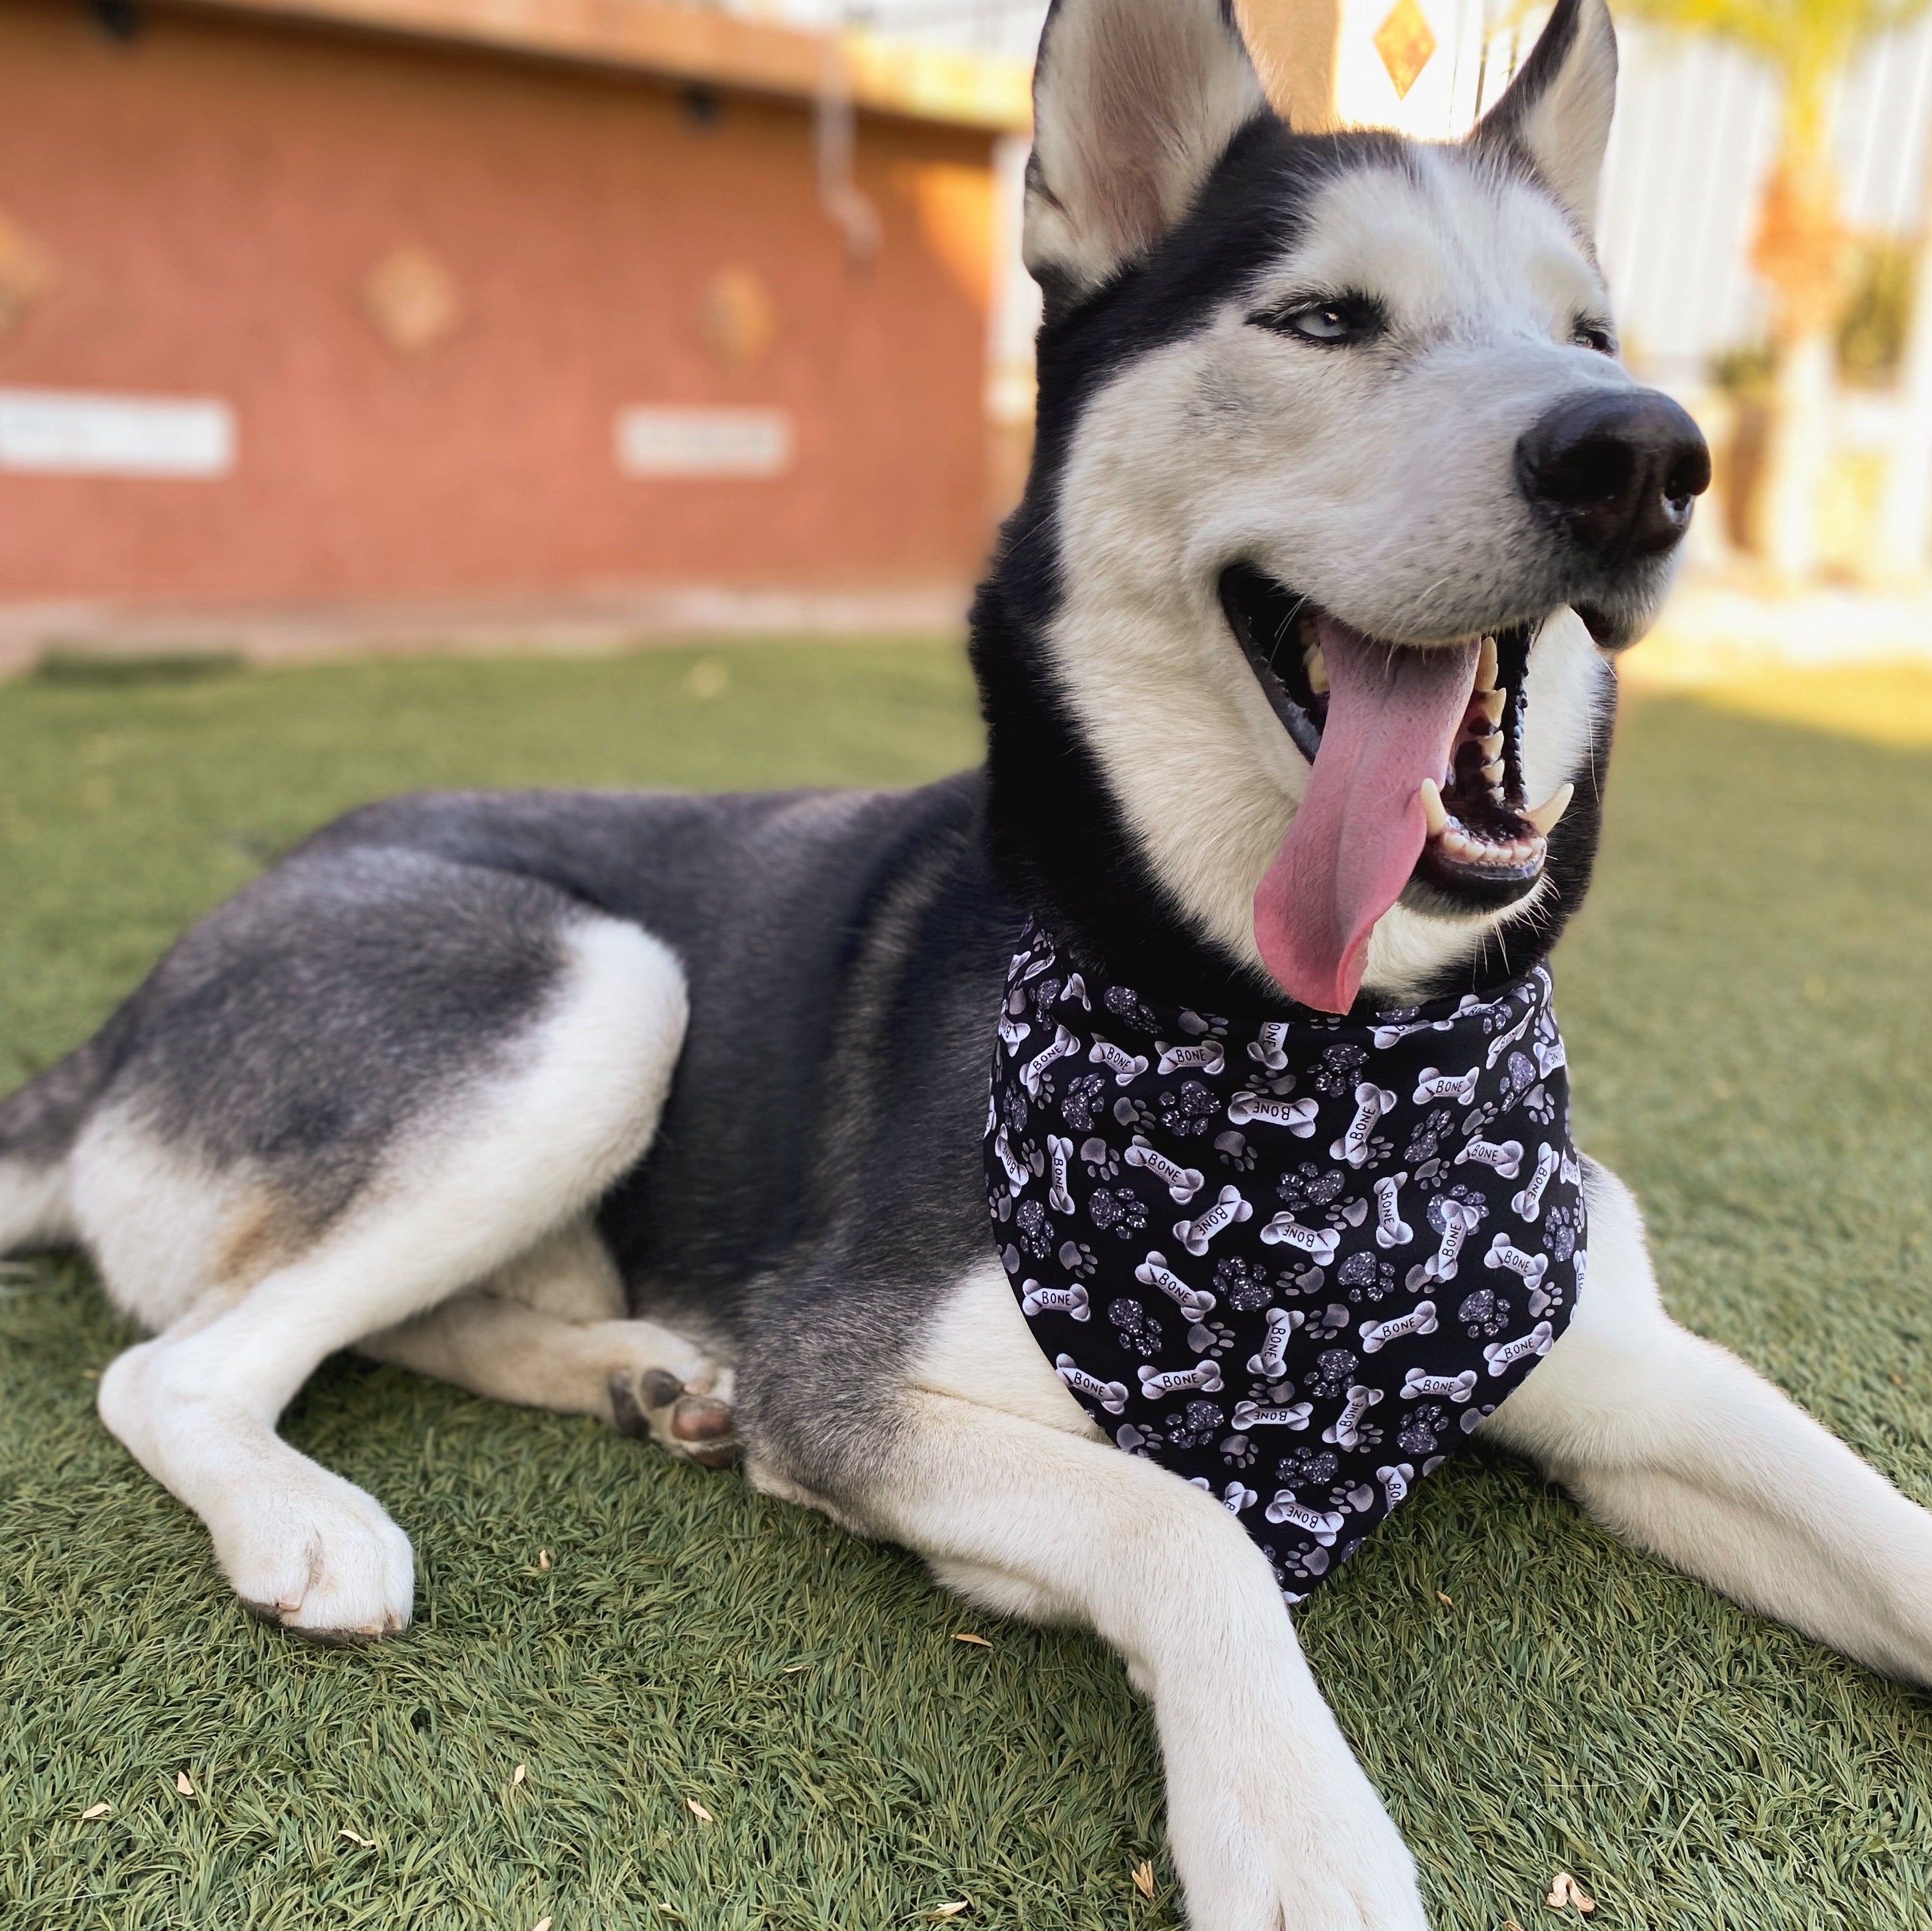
(1392, 716)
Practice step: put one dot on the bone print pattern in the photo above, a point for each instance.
(1102, 1113)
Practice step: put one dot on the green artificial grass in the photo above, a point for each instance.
(1746, 1005)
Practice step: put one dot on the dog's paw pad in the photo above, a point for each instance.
(658, 1407)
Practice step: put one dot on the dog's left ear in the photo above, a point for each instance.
(1556, 112)
(1134, 101)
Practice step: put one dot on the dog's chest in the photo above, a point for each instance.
(1296, 1260)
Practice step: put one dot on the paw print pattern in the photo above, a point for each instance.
(1117, 1211)
(1291, 1260)
(1339, 1068)
(1367, 1276)
(1084, 1102)
(1138, 1329)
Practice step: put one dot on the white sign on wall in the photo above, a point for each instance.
(72, 432)
(667, 441)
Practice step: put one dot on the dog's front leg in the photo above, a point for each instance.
(1677, 1446)
(1271, 1822)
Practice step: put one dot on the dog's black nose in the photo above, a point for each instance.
(1619, 467)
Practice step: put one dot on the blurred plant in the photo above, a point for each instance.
(1800, 248)
(1877, 314)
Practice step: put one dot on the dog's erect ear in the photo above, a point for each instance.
(1134, 101)
(1557, 111)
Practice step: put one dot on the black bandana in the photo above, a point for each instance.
(1295, 1259)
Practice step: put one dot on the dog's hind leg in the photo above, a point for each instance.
(549, 1333)
(460, 1192)
(1677, 1446)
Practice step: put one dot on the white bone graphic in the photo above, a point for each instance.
(1012, 1031)
(1195, 1302)
(1075, 987)
(1550, 1057)
(1037, 1299)
(1505, 1156)
(1267, 1051)
(1112, 1396)
(1347, 1432)
(1529, 1204)
(1063, 1044)
(1376, 1335)
(1271, 1363)
(1195, 1235)
(1371, 1102)
(1018, 1172)
(1456, 1387)
(992, 1118)
(1206, 1055)
(1285, 1230)
(1236, 1497)
(1182, 1183)
(1324, 1525)
(1395, 1482)
(1503, 1042)
(1059, 1152)
(1386, 1037)
(1458, 1223)
(1038, 966)
(1257, 1414)
(1124, 1066)
(1296, 1115)
(1430, 1084)
(1503, 1254)
(1204, 1375)
(1391, 1230)
(1570, 1170)
(1502, 1355)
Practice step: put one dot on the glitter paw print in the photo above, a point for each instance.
(1139, 1331)
(1559, 1233)
(1193, 1109)
(1033, 1230)
(1309, 1190)
(1241, 1284)
(1308, 1468)
(1196, 1426)
(1128, 1006)
(1367, 1277)
(1519, 1076)
(1421, 1432)
(1118, 1211)
(1084, 1102)
(1334, 1369)
(1338, 1069)
(1483, 1314)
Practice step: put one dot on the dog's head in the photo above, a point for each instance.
(1293, 650)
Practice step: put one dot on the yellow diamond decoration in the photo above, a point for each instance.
(1405, 43)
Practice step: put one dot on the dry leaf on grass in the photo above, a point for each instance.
(793, 1668)
(543, 1558)
(541, 1924)
(1510, 1924)
(518, 1775)
(978, 1642)
(952, 1910)
(1565, 1890)
(367, 1843)
(698, 1811)
(182, 1784)
(1143, 1879)
(1444, 1600)
(94, 1810)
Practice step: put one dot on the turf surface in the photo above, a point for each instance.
(1746, 1004)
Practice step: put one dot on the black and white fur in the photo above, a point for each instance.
(640, 1105)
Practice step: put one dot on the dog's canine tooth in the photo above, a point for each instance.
(1432, 807)
(1488, 705)
(1545, 816)
(1316, 665)
(1486, 669)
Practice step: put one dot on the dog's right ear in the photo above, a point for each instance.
(1134, 101)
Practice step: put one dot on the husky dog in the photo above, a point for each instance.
(669, 1110)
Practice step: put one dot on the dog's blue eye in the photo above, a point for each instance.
(1593, 335)
(1333, 324)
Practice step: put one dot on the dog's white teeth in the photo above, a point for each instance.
(1491, 746)
(1545, 816)
(1493, 774)
(1488, 705)
(1485, 670)
(1432, 807)
(1316, 665)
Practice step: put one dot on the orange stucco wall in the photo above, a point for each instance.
(211, 198)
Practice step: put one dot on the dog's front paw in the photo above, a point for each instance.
(1292, 1840)
(683, 1415)
(316, 1555)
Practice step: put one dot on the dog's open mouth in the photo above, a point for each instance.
(1417, 788)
